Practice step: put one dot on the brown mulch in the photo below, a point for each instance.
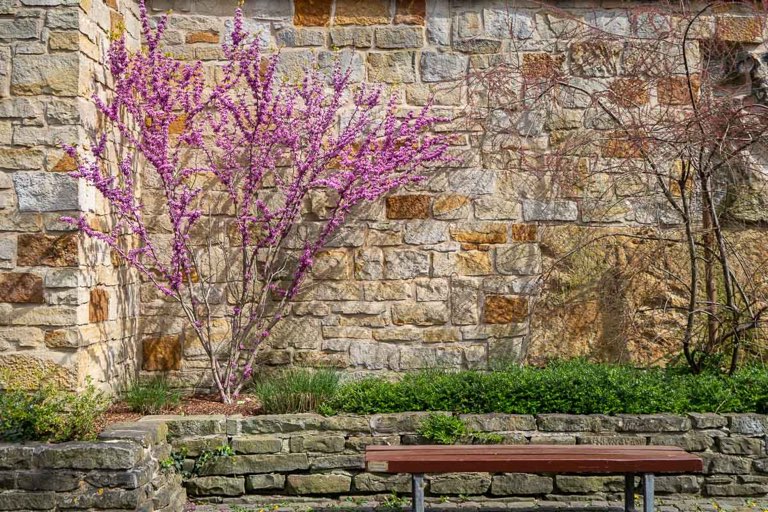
(190, 406)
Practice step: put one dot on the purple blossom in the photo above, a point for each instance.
(263, 142)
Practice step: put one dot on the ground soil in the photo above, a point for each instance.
(203, 404)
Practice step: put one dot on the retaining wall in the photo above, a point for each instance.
(311, 455)
(121, 471)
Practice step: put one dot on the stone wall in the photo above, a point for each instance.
(67, 310)
(121, 471)
(307, 455)
(443, 274)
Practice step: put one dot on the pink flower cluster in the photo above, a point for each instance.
(268, 144)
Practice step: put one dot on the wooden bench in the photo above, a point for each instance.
(580, 459)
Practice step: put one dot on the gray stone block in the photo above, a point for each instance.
(215, 486)
(322, 443)
(460, 483)
(440, 67)
(49, 480)
(740, 445)
(497, 422)
(22, 500)
(244, 464)
(45, 191)
(256, 444)
(83, 455)
(572, 484)
(256, 483)
(370, 482)
(654, 423)
(280, 423)
(521, 484)
(319, 484)
(337, 462)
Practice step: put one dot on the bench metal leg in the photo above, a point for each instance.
(629, 492)
(648, 492)
(417, 504)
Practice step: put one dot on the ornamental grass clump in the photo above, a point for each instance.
(231, 167)
(295, 390)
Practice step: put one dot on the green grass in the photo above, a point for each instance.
(151, 396)
(574, 387)
(295, 390)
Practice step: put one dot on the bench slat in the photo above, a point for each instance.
(531, 459)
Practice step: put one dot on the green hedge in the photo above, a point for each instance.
(574, 387)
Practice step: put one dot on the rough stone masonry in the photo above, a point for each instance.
(443, 274)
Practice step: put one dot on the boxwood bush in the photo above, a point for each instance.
(574, 387)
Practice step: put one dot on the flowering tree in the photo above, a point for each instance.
(265, 145)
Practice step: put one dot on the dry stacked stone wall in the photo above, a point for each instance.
(121, 471)
(441, 274)
(307, 455)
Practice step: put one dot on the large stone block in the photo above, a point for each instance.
(440, 67)
(371, 482)
(161, 353)
(21, 287)
(406, 264)
(654, 423)
(256, 444)
(500, 309)
(279, 423)
(361, 12)
(195, 426)
(519, 259)
(571, 484)
(422, 313)
(245, 464)
(312, 12)
(747, 424)
(740, 445)
(322, 443)
(521, 484)
(215, 486)
(38, 249)
(725, 464)
(392, 67)
(55, 74)
(45, 192)
(399, 37)
(321, 463)
(84, 455)
(460, 483)
(49, 480)
(498, 422)
(319, 484)
(258, 483)
(23, 500)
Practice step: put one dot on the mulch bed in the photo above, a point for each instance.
(190, 406)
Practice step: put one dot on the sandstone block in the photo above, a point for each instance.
(414, 206)
(423, 313)
(84, 455)
(677, 484)
(549, 211)
(293, 37)
(707, 420)
(399, 37)
(501, 309)
(441, 67)
(521, 484)
(320, 463)
(311, 12)
(392, 68)
(319, 484)
(460, 483)
(359, 37)
(451, 207)
(479, 233)
(38, 249)
(256, 483)
(747, 424)
(20, 287)
(498, 422)
(739, 29)
(690, 441)
(541, 65)
(322, 443)
(244, 464)
(17, 28)
(571, 484)
(161, 353)
(215, 486)
(406, 264)
(654, 423)
(256, 444)
(473, 263)
(518, 259)
(371, 482)
(718, 463)
(464, 301)
(23, 500)
(595, 58)
(740, 445)
(279, 423)
(55, 74)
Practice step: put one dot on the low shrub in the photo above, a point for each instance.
(573, 387)
(51, 414)
(442, 429)
(295, 390)
(151, 396)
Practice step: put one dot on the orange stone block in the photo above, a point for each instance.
(65, 164)
(524, 232)
(311, 13)
(207, 36)
(38, 249)
(361, 12)
(503, 309)
(629, 92)
(541, 65)
(161, 354)
(21, 287)
(410, 12)
(739, 29)
(98, 306)
(674, 90)
(414, 206)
